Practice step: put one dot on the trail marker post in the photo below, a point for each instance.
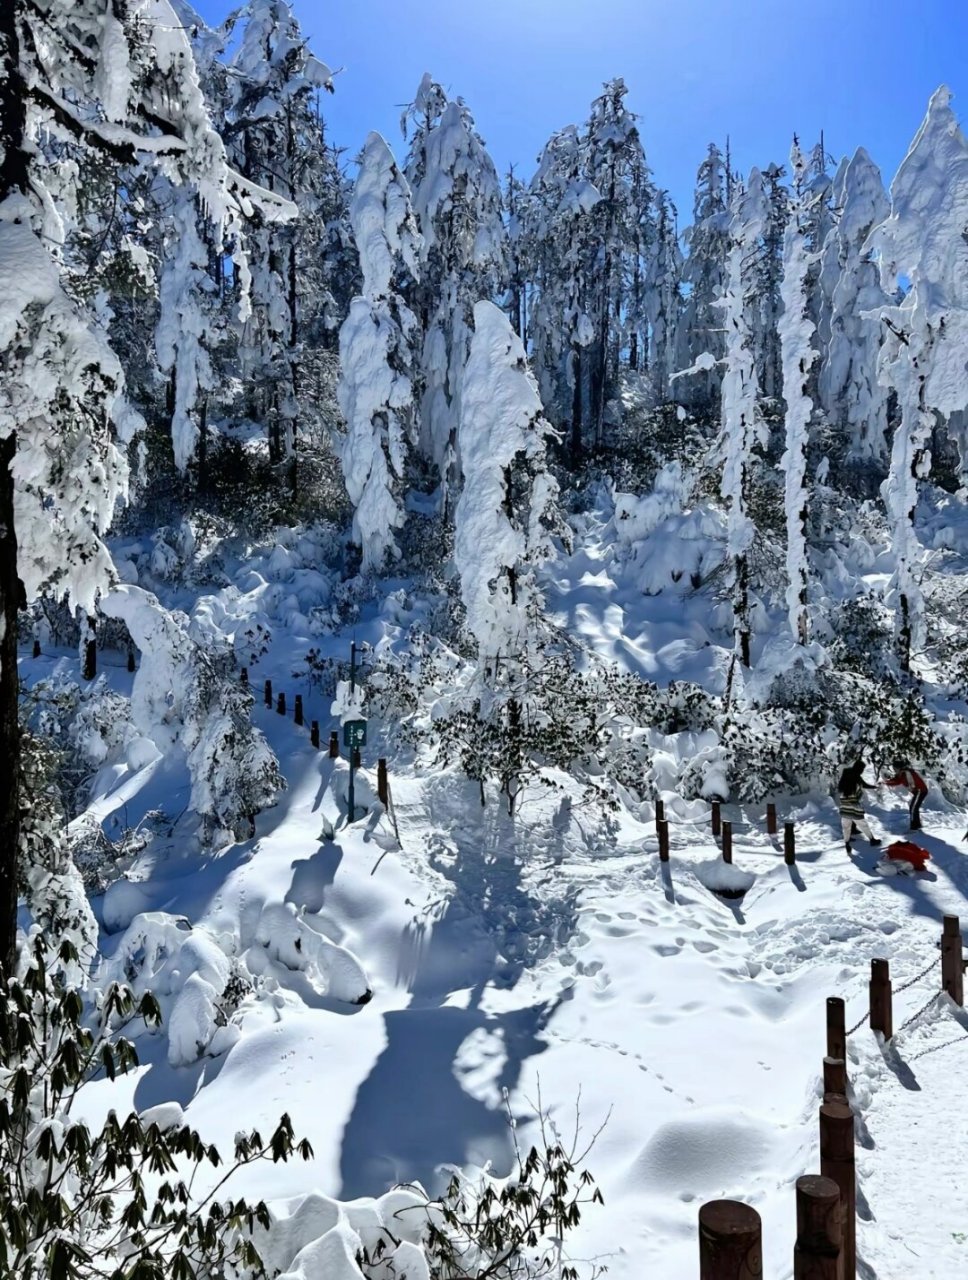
(730, 1241)
(354, 737)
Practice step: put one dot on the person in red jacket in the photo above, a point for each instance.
(905, 776)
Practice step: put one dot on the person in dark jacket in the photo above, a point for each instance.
(850, 791)
(905, 776)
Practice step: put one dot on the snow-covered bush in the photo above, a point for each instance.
(80, 1202)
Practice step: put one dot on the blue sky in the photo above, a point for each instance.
(697, 70)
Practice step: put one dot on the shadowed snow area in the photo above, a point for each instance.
(544, 955)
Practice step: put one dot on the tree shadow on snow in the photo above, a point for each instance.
(312, 876)
(433, 1096)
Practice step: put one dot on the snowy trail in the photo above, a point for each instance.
(530, 955)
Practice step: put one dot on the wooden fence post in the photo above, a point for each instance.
(730, 1241)
(314, 734)
(382, 789)
(663, 830)
(727, 831)
(836, 1034)
(818, 1252)
(882, 1018)
(281, 704)
(952, 968)
(834, 1080)
(36, 650)
(716, 818)
(268, 693)
(659, 813)
(297, 711)
(837, 1163)
(771, 819)
(244, 675)
(131, 666)
(334, 745)
(789, 844)
(90, 651)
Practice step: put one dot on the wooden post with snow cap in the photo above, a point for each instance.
(659, 813)
(818, 1252)
(789, 844)
(771, 819)
(837, 1163)
(662, 829)
(268, 693)
(716, 818)
(836, 1033)
(730, 1241)
(382, 787)
(727, 831)
(882, 1014)
(281, 704)
(314, 734)
(952, 967)
(297, 711)
(244, 675)
(333, 745)
(834, 1080)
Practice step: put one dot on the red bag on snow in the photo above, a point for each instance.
(905, 851)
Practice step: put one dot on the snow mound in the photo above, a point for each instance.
(297, 943)
(702, 1157)
(723, 877)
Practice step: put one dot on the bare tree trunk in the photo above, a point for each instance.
(13, 178)
(576, 408)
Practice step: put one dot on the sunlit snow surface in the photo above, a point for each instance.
(547, 956)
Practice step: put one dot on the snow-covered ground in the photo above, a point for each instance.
(550, 957)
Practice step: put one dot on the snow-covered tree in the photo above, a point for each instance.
(765, 289)
(853, 397)
(664, 299)
(503, 516)
(458, 203)
(377, 354)
(704, 275)
(118, 82)
(923, 359)
(740, 425)
(796, 330)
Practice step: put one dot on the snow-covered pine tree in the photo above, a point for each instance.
(923, 359)
(274, 135)
(704, 276)
(663, 299)
(377, 354)
(796, 331)
(506, 508)
(561, 243)
(120, 83)
(740, 425)
(853, 398)
(624, 229)
(458, 203)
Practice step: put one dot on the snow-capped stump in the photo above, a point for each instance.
(298, 942)
(723, 878)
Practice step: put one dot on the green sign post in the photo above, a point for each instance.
(354, 737)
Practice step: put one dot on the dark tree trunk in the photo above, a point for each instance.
(203, 446)
(13, 178)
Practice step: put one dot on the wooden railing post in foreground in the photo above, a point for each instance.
(281, 704)
(36, 648)
(727, 842)
(663, 831)
(952, 969)
(730, 1241)
(789, 844)
(771, 819)
(834, 1080)
(268, 693)
(244, 675)
(716, 818)
(837, 1163)
(314, 734)
(382, 790)
(882, 1014)
(836, 1033)
(659, 813)
(297, 717)
(818, 1253)
(333, 745)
